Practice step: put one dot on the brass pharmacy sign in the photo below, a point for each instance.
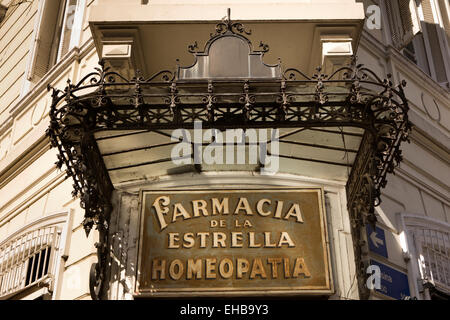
(204, 242)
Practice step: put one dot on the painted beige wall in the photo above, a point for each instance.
(15, 43)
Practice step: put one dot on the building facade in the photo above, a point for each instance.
(91, 155)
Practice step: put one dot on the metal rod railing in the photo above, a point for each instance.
(27, 259)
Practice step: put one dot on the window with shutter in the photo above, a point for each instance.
(409, 20)
(420, 54)
(404, 21)
(444, 5)
(432, 28)
(42, 52)
(416, 32)
(393, 23)
(53, 36)
(67, 27)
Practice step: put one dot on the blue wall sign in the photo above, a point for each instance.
(393, 283)
(377, 240)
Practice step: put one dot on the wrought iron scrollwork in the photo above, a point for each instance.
(228, 26)
(378, 156)
(210, 99)
(71, 132)
(143, 104)
(352, 96)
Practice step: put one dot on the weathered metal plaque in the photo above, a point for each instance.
(249, 242)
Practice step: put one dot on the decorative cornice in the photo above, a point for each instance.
(76, 54)
(420, 220)
(435, 147)
(53, 219)
(428, 188)
(408, 67)
(16, 210)
(411, 69)
(7, 173)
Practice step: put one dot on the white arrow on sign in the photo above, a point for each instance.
(376, 241)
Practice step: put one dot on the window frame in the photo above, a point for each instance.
(61, 221)
(410, 224)
(56, 39)
(423, 53)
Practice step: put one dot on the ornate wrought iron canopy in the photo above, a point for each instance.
(249, 96)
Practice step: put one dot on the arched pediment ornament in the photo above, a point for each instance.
(229, 54)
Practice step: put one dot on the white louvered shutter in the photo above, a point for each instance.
(433, 38)
(404, 21)
(444, 4)
(42, 57)
(390, 10)
(410, 23)
(67, 28)
(3, 10)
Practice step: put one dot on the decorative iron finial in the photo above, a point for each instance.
(227, 19)
(227, 26)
